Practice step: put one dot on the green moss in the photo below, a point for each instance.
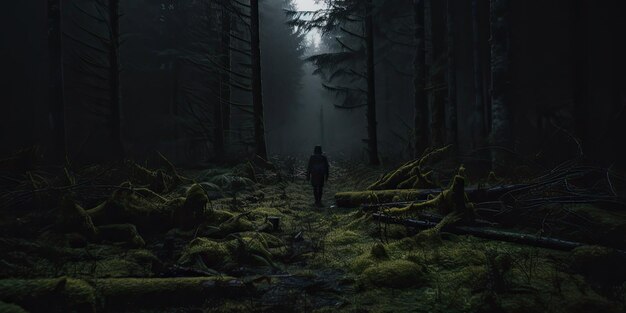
(409, 175)
(452, 199)
(211, 252)
(233, 183)
(10, 308)
(193, 210)
(356, 198)
(342, 237)
(235, 224)
(119, 268)
(124, 293)
(126, 206)
(268, 240)
(143, 256)
(379, 252)
(251, 250)
(267, 211)
(361, 263)
(255, 252)
(49, 295)
(393, 274)
(452, 256)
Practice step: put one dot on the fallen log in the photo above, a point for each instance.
(113, 294)
(121, 293)
(373, 199)
(353, 199)
(493, 234)
(436, 218)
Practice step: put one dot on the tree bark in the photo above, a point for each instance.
(322, 133)
(501, 115)
(372, 136)
(479, 103)
(451, 114)
(580, 44)
(224, 88)
(419, 81)
(257, 88)
(226, 63)
(114, 78)
(56, 99)
(436, 114)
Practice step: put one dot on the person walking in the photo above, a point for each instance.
(317, 173)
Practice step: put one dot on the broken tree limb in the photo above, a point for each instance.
(493, 234)
(386, 198)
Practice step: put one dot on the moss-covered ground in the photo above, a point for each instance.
(202, 241)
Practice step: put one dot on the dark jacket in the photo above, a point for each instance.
(317, 170)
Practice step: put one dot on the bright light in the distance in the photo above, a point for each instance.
(308, 5)
(313, 37)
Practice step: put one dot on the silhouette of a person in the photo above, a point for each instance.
(317, 173)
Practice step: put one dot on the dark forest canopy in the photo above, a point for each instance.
(103, 80)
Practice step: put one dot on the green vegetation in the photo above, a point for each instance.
(154, 248)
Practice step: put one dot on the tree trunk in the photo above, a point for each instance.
(501, 115)
(451, 114)
(114, 78)
(224, 81)
(56, 94)
(419, 81)
(226, 63)
(580, 44)
(257, 88)
(479, 103)
(322, 134)
(372, 140)
(436, 117)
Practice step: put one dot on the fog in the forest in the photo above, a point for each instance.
(312, 119)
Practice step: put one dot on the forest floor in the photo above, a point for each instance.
(162, 244)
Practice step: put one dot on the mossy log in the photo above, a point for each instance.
(353, 199)
(452, 199)
(126, 206)
(487, 233)
(216, 254)
(374, 199)
(112, 294)
(122, 293)
(49, 295)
